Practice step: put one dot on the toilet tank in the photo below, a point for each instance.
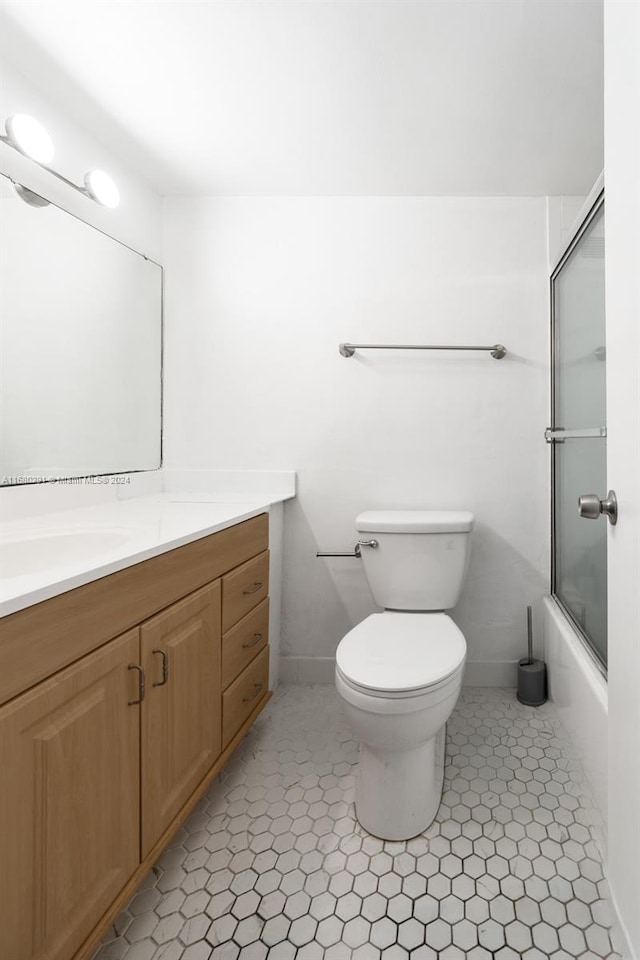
(421, 559)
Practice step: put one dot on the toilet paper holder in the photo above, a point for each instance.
(357, 552)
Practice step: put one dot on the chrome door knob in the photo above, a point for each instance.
(590, 506)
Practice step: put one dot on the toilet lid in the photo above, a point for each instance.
(401, 651)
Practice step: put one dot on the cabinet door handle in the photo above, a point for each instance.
(165, 668)
(257, 637)
(141, 683)
(258, 687)
(254, 589)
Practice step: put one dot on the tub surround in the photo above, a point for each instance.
(578, 690)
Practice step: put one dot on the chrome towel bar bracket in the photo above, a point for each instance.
(497, 350)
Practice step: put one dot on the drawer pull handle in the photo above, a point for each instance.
(141, 684)
(257, 637)
(165, 668)
(258, 687)
(254, 589)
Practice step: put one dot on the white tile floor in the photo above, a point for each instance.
(273, 863)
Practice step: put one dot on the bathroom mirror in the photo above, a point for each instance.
(80, 347)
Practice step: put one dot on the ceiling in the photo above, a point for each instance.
(328, 97)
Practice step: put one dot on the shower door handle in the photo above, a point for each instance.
(590, 506)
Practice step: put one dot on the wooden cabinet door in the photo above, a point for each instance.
(69, 816)
(181, 715)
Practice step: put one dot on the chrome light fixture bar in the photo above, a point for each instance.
(29, 137)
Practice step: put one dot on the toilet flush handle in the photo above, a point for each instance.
(368, 543)
(365, 543)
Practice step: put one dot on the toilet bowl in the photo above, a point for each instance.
(399, 673)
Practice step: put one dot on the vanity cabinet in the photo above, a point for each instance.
(102, 760)
(70, 761)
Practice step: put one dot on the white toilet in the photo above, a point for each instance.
(399, 672)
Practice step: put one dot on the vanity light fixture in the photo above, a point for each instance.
(30, 138)
(33, 199)
(101, 188)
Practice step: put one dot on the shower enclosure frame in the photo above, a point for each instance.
(588, 215)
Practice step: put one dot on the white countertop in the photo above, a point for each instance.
(48, 554)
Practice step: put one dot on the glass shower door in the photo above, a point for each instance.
(578, 432)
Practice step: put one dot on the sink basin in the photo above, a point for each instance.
(47, 551)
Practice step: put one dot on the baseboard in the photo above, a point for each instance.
(490, 673)
(478, 673)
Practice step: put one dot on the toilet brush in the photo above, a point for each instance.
(532, 674)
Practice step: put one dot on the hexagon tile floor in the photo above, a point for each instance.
(272, 864)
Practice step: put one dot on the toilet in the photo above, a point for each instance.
(399, 672)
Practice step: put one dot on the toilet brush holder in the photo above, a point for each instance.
(532, 674)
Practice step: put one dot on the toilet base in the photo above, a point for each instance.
(398, 792)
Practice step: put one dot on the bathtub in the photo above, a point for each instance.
(578, 690)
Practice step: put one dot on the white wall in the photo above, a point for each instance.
(259, 294)
(622, 163)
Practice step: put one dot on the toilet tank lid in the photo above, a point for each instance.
(414, 521)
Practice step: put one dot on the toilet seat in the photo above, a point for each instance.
(401, 655)
(409, 697)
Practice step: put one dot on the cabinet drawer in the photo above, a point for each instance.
(244, 641)
(243, 695)
(243, 589)
(245, 540)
